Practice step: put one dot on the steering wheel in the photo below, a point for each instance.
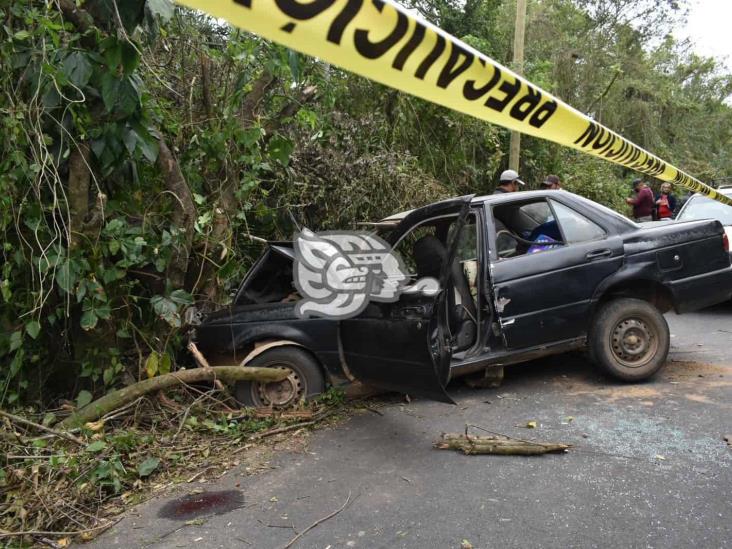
(512, 251)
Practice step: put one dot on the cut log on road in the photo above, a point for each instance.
(116, 399)
(504, 446)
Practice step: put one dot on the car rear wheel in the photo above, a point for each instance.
(305, 380)
(629, 339)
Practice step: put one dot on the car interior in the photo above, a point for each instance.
(538, 226)
(424, 252)
(525, 228)
(270, 280)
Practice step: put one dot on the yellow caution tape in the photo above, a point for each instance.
(384, 42)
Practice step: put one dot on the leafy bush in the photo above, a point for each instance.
(595, 179)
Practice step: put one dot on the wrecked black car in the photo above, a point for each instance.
(522, 275)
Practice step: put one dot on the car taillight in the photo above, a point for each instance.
(725, 242)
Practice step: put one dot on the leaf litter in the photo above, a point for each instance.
(57, 489)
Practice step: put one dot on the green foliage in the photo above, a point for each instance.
(83, 398)
(334, 396)
(96, 446)
(147, 467)
(126, 457)
(594, 179)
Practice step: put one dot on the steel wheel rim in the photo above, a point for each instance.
(280, 394)
(633, 342)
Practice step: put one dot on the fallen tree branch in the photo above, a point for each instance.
(279, 430)
(282, 414)
(121, 397)
(499, 445)
(23, 421)
(198, 356)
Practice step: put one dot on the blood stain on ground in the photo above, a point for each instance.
(205, 503)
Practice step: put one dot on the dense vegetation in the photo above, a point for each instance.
(143, 149)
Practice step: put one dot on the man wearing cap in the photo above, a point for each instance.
(643, 202)
(509, 182)
(551, 183)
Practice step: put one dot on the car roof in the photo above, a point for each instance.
(396, 218)
(726, 191)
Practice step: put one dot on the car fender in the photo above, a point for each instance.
(262, 346)
(321, 341)
(640, 272)
(628, 272)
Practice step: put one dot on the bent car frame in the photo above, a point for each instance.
(522, 275)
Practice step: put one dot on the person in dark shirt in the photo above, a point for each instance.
(509, 182)
(643, 202)
(665, 202)
(551, 183)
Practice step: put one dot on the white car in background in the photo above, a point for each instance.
(702, 207)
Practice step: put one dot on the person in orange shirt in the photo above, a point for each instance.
(665, 202)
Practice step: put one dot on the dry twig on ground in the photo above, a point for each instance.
(317, 522)
(38, 426)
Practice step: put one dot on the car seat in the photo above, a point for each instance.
(430, 255)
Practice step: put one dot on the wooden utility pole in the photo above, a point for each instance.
(518, 66)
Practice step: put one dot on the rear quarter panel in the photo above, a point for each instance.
(686, 257)
(230, 334)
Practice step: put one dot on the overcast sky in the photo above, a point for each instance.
(710, 28)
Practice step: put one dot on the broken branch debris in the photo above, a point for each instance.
(38, 426)
(499, 445)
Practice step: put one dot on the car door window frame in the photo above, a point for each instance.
(490, 229)
(479, 240)
(492, 233)
(480, 250)
(551, 202)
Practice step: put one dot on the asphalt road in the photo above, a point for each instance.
(650, 467)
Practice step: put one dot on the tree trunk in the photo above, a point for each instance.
(184, 213)
(226, 203)
(250, 107)
(116, 399)
(206, 85)
(78, 192)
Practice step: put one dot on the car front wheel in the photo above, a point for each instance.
(305, 380)
(629, 339)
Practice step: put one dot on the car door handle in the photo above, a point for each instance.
(597, 254)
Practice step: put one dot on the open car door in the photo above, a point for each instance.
(404, 346)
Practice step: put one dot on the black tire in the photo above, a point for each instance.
(305, 381)
(629, 339)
